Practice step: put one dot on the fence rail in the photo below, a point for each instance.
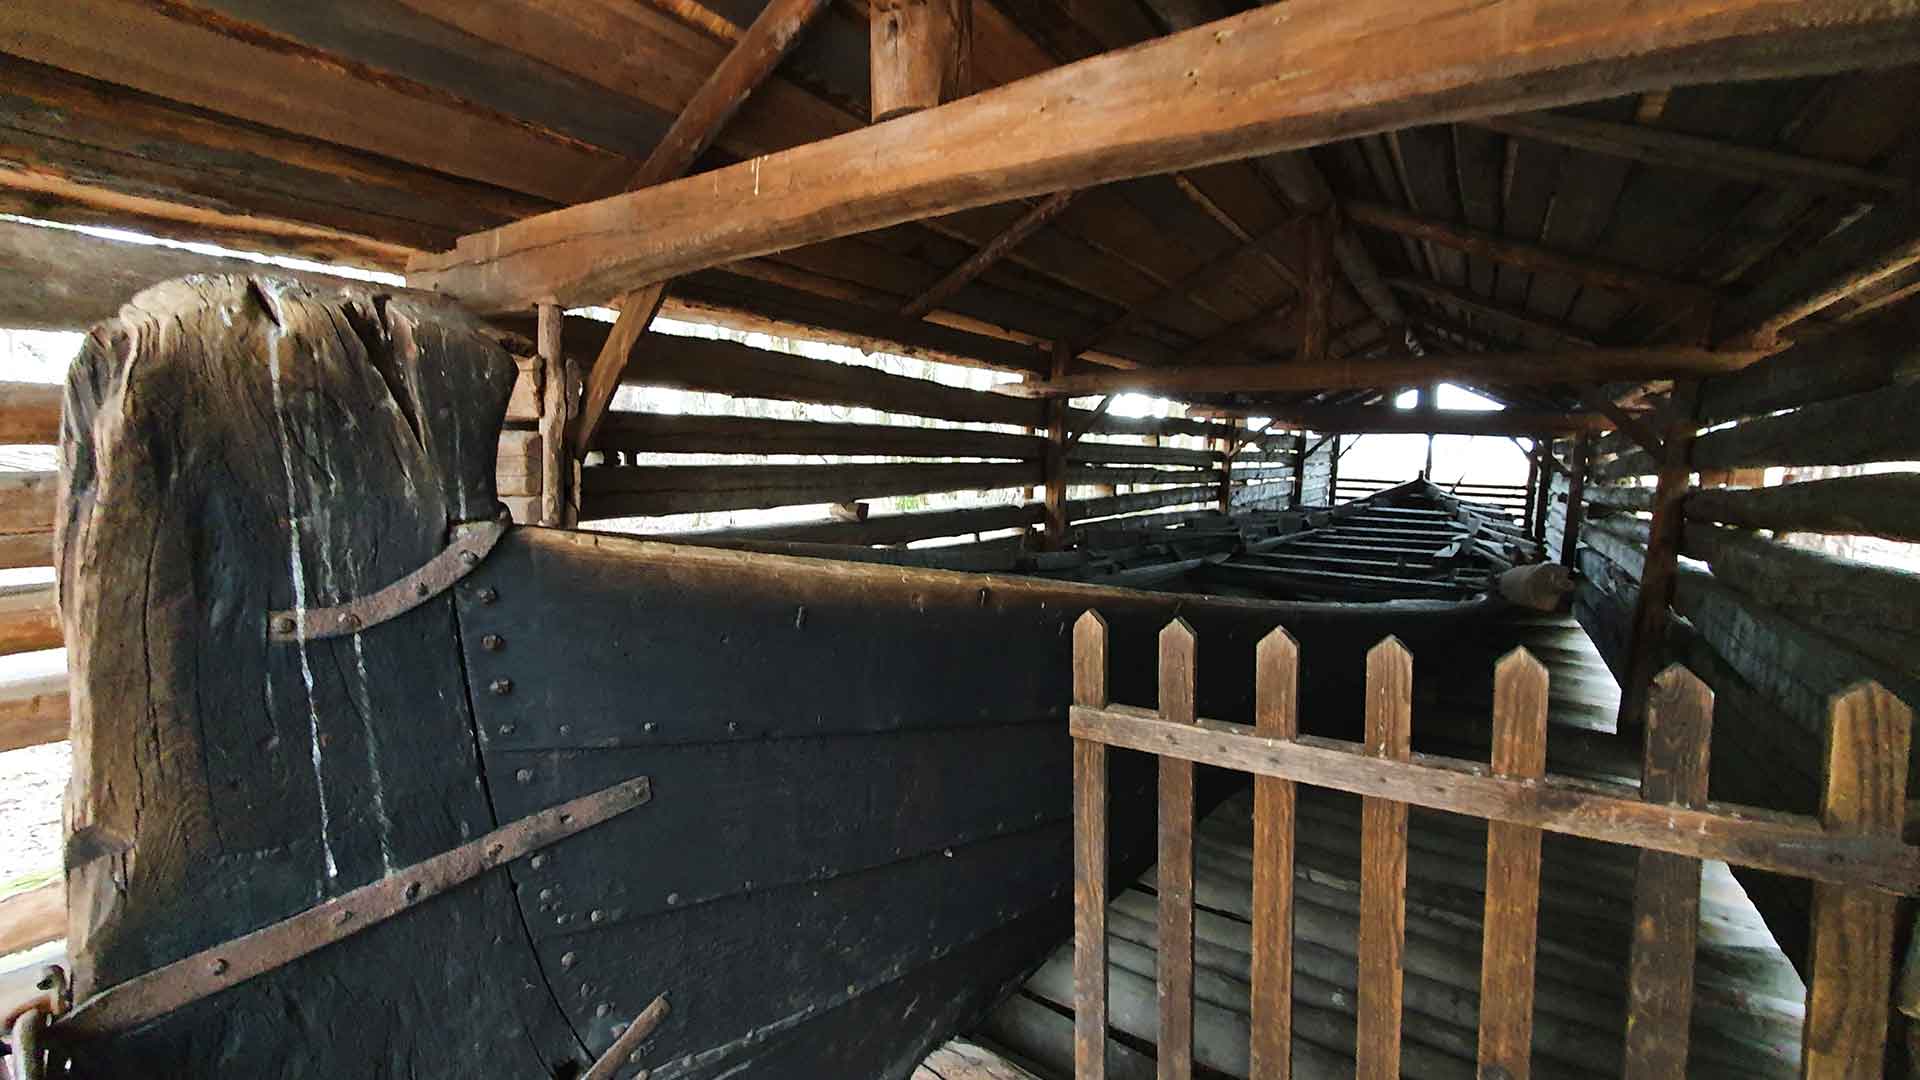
(1853, 852)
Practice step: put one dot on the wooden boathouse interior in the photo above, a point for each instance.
(995, 526)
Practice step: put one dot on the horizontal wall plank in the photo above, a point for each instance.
(1125, 454)
(657, 433)
(1114, 505)
(29, 413)
(630, 491)
(886, 528)
(1122, 474)
(29, 618)
(18, 550)
(33, 711)
(726, 367)
(26, 500)
(34, 917)
(1885, 504)
(1874, 426)
(1863, 357)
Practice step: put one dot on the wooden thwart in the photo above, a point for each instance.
(1854, 853)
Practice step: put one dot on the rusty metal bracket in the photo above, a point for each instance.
(472, 542)
(164, 989)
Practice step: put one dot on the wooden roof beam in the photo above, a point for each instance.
(992, 252)
(1515, 368)
(1491, 246)
(1385, 420)
(748, 64)
(921, 54)
(1677, 150)
(1203, 96)
(1523, 323)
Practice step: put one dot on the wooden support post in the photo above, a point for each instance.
(1090, 857)
(1300, 468)
(553, 417)
(1228, 446)
(922, 54)
(1333, 469)
(1276, 676)
(1533, 493)
(1383, 867)
(1852, 949)
(1663, 556)
(1577, 460)
(1543, 495)
(1055, 464)
(1666, 891)
(1177, 656)
(1317, 325)
(1513, 874)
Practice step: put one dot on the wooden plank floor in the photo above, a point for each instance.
(1748, 1009)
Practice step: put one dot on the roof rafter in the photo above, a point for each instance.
(1433, 61)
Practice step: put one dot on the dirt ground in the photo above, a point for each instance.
(32, 783)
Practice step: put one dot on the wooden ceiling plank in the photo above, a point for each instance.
(1673, 149)
(1516, 368)
(1436, 61)
(747, 65)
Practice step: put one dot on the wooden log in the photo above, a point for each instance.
(29, 618)
(33, 711)
(621, 491)
(686, 433)
(79, 279)
(1587, 269)
(1674, 149)
(1577, 466)
(1845, 263)
(1854, 360)
(1852, 950)
(1176, 102)
(33, 917)
(1090, 857)
(882, 528)
(1276, 716)
(1124, 454)
(1512, 915)
(517, 469)
(921, 55)
(1852, 430)
(26, 501)
(29, 413)
(1666, 895)
(1878, 505)
(1515, 368)
(1178, 664)
(1383, 858)
(724, 367)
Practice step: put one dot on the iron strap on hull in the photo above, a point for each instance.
(472, 542)
(209, 971)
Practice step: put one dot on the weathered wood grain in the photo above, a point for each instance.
(1666, 895)
(1513, 875)
(609, 491)
(1851, 430)
(921, 55)
(1877, 505)
(1178, 692)
(1383, 859)
(1852, 950)
(1090, 857)
(29, 413)
(1862, 357)
(299, 449)
(33, 917)
(687, 433)
(1435, 62)
(1276, 716)
(29, 618)
(1661, 567)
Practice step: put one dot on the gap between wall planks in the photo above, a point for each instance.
(1673, 824)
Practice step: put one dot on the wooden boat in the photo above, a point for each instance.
(300, 670)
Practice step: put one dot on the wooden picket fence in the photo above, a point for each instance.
(1853, 853)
